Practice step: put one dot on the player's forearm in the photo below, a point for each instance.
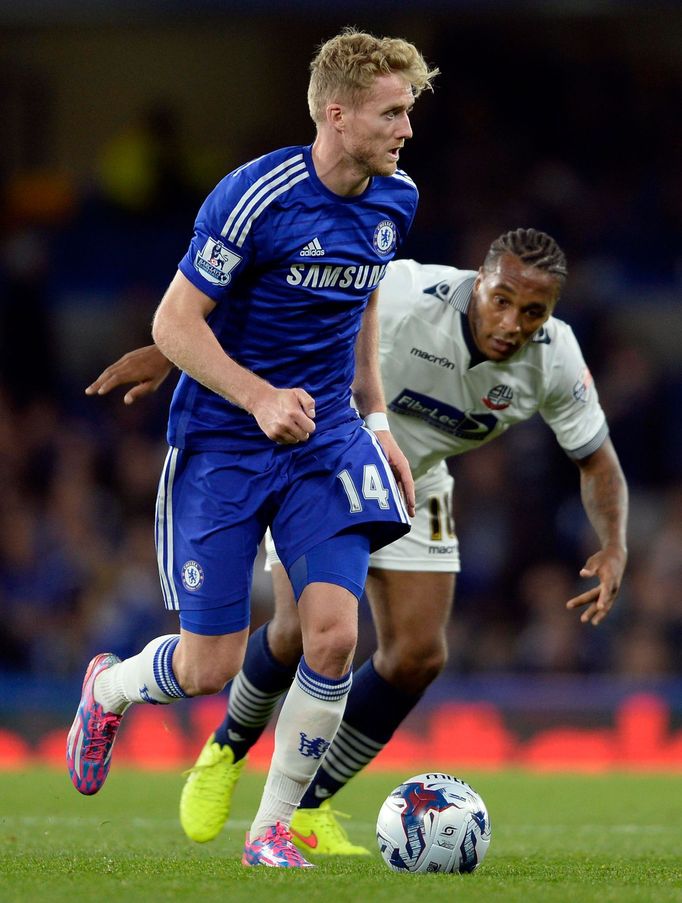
(367, 387)
(368, 392)
(605, 496)
(191, 345)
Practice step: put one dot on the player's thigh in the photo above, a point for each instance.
(328, 595)
(411, 582)
(285, 602)
(410, 609)
(284, 630)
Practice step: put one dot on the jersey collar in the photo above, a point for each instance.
(460, 296)
(460, 300)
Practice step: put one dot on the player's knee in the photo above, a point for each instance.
(330, 652)
(413, 666)
(430, 665)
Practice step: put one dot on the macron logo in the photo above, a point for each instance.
(312, 249)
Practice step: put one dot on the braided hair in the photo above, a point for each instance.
(532, 247)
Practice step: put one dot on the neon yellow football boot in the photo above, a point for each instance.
(207, 794)
(317, 832)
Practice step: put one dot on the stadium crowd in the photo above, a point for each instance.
(82, 268)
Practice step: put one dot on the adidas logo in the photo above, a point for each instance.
(312, 249)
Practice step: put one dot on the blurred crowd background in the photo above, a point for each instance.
(117, 125)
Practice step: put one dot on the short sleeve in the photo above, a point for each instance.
(571, 406)
(213, 261)
(396, 297)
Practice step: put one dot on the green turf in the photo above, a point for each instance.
(555, 838)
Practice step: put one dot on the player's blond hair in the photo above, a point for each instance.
(345, 66)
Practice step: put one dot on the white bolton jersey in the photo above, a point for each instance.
(439, 405)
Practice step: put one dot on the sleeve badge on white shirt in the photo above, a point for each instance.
(581, 389)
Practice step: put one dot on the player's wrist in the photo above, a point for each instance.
(255, 392)
(377, 422)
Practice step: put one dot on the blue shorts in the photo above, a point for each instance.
(213, 508)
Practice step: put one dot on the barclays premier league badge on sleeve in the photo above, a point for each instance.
(215, 262)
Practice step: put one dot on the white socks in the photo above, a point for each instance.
(145, 677)
(309, 718)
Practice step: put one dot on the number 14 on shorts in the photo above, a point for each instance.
(372, 488)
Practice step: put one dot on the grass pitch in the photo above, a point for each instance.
(555, 839)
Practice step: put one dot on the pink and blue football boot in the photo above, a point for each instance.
(92, 734)
(275, 849)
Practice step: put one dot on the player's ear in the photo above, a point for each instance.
(335, 116)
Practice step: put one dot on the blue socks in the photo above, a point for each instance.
(254, 694)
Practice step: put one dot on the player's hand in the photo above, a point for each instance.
(146, 367)
(286, 416)
(400, 467)
(608, 565)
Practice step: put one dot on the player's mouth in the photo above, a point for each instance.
(394, 153)
(501, 346)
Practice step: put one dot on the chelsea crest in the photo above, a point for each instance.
(384, 237)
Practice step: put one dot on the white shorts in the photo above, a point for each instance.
(431, 544)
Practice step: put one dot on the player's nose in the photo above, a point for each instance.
(511, 321)
(405, 127)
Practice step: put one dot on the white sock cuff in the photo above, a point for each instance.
(328, 689)
(163, 668)
(148, 676)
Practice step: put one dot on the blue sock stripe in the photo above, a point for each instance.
(326, 688)
(344, 757)
(351, 764)
(357, 739)
(349, 751)
(159, 664)
(248, 706)
(163, 669)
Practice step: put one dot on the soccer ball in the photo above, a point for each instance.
(433, 823)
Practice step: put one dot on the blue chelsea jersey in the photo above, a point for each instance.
(290, 266)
